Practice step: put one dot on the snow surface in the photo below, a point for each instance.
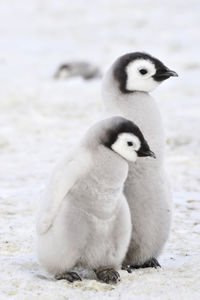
(40, 118)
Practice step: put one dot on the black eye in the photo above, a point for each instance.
(143, 71)
(130, 144)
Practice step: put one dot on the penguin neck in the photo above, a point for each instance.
(138, 107)
(111, 167)
(115, 101)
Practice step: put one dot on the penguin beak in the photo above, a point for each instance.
(164, 74)
(171, 73)
(143, 153)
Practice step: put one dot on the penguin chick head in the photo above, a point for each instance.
(140, 71)
(126, 139)
(64, 71)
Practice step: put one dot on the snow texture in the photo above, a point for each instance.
(40, 118)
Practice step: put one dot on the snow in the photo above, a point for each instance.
(40, 118)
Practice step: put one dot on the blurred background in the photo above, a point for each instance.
(41, 117)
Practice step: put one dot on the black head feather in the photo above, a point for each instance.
(124, 126)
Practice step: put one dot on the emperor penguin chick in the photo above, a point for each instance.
(84, 218)
(125, 92)
(78, 68)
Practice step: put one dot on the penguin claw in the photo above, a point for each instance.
(115, 276)
(152, 263)
(127, 268)
(69, 276)
(107, 275)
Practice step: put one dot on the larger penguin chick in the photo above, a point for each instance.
(85, 219)
(125, 92)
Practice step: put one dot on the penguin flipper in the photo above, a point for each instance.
(63, 179)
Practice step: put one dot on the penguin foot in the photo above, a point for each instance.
(107, 275)
(70, 276)
(151, 263)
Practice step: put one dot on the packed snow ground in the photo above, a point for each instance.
(40, 118)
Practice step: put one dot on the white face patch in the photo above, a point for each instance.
(126, 145)
(139, 76)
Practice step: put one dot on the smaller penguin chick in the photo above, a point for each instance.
(85, 219)
(74, 69)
